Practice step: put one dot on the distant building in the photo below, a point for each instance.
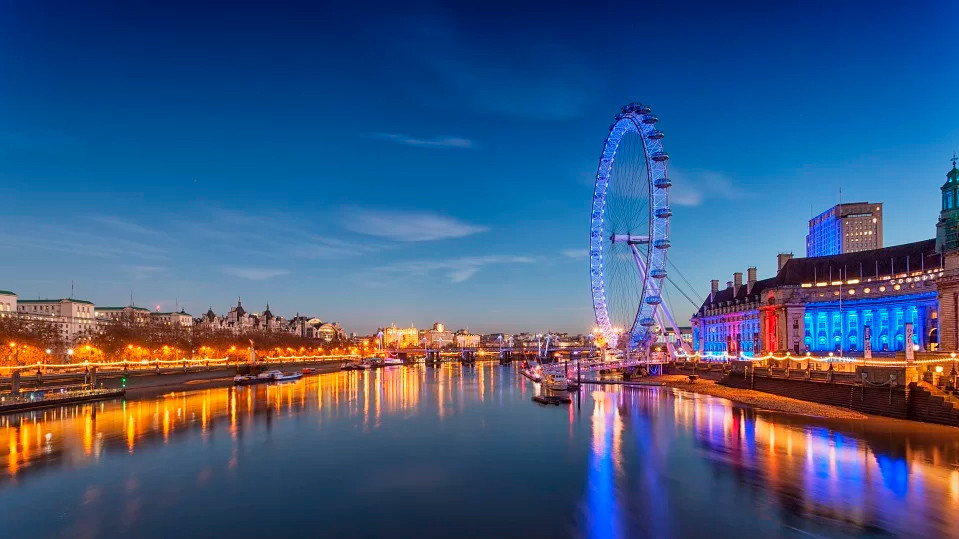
(181, 318)
(437, 337)
(129, 314)
(394, 337)
(464, 339)
(74, 318)
(845, 228)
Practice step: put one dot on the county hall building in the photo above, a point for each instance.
(843, 302)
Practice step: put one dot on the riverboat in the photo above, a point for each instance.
(555, 381)
(533, 371)
(265, 376)
(392, 360)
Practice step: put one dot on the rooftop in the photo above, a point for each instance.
(55, 301)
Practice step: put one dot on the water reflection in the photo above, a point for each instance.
(467, 442)
(821, 476)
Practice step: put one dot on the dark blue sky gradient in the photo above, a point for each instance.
(373, 163)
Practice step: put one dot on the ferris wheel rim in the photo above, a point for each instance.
(634, 118)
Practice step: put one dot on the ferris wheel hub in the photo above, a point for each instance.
(629, 239)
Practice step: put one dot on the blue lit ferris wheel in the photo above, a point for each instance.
(629, 232)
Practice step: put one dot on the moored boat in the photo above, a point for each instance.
(392, 360)
(555, 381)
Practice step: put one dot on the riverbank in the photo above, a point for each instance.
(749, 397)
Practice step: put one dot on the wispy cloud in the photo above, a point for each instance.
(81, 243)
(124, 226)
(432, 142)
(254, 274)
(692, 188)
(408, 226)
(456, 270)
(280, 234)
(575, 253)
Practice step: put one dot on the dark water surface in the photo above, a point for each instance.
(462, 451)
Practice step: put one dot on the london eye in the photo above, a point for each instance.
(629, 233)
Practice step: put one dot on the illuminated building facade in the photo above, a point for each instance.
(828, 304)
(843, 303)
(436, 337)
(845, 228)
(394, 337)
(464, 339)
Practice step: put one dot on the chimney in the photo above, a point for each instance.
(729, 284)
(782, 258)
(713, 288)
(750, 278)
(737, 282)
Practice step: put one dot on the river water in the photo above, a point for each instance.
(417, 451)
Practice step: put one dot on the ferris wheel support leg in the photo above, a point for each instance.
(664, 310)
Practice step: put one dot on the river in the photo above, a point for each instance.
(463, 451)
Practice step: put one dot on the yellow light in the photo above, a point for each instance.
(938, 369)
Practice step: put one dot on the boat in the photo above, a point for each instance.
(392, 360)
(308, 370)
(372, 362)
(555, 381)
(533, 371)
(266, 376)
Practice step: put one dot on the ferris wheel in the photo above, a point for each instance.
(629, 233)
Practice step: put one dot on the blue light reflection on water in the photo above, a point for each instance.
(453, 449)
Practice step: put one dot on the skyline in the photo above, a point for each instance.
(439, 165)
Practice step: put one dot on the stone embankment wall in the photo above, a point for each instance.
(915, 400)
(887, 400)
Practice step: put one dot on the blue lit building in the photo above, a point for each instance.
(840, 302)
(827, 304)
(845, 228)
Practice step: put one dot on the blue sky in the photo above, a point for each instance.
(369, 163)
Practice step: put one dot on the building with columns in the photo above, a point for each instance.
(844, 303)
(827, 304)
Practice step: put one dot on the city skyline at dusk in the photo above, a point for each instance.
(438, 164)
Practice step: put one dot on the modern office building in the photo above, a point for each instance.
(845, 228)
